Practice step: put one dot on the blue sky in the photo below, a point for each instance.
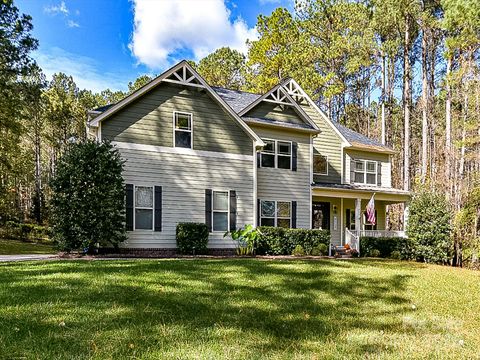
(108, 43)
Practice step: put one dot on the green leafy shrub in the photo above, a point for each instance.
(429, 227)
(386, 245)
(298, 251)
(192, 238)
(88, 197)
(374, 253)
(246, 239)
(24, 231)
(280, 241)
(320, 250)
(395, 255)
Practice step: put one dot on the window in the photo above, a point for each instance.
(182, 130)
(320, 164)
(220, 211)
(143, 207)
(275, 213)
(276, 154)
(365, 172)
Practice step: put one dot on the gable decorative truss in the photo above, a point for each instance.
(181, 74)
(278, 95)
(296, 91)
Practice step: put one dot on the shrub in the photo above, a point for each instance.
(386, 245)
(280, 241)
(374, 253)
(395, 254)
(24, 231)
(429, 227)
(88, 197)
(298, 251)
(246, 239)
(320, 250)
(192, 238)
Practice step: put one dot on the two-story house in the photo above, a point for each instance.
(197, 153)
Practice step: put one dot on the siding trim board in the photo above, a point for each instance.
(180, 151)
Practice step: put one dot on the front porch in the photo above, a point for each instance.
(342, 210)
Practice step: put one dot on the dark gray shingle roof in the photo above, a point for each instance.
(238, 100)
(355, 137)
(103, 108)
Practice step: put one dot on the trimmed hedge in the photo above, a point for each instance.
(388, 247)
(280, 241)
(192, 238)
(24, 231)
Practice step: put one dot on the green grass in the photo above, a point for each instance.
(238, 308)
(15, 247)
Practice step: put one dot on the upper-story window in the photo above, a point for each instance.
(276, 154)
(320, 164)
(365, 172)
(183, 130)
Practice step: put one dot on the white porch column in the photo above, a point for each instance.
(358, 212)
(406, 212)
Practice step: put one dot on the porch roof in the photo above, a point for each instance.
(354, 191)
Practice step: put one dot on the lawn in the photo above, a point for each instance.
(15, 247)
(238, 308)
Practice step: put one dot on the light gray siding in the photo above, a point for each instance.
(327, 143)
(184, 179)
(288, 185)
(266, 110)
(367, 155)
(149, 120)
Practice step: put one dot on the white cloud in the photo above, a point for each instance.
(163, 29)
(84, 70)
(57, 9)
(71, 23)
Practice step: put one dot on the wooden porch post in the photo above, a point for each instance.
(358, 211)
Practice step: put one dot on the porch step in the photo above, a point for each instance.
(341, 252)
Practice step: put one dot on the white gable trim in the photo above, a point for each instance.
(178, 74)
(294, 89)
(279, 95)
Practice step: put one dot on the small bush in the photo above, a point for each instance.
(24, 231)
(298, 251)
(374, 253)
(395, 255)
(280, 241)
(386, 245)
(320, 250)
(192, 238)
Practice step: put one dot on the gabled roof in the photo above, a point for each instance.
(358, 140)
(182, 74)
(238, 100)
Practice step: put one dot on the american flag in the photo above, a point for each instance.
(371, 211)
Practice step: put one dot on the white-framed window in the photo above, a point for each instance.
(182, 130)
(276, 154)
(143, 207)
(276, 213)
(365, 172)
(320, 164)
(220, 210)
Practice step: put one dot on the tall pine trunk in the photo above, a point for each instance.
(448, 127)
(383, 99)
(407, 92)
(424, 107)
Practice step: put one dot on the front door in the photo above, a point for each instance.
(321, 215)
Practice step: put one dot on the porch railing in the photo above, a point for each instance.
(380, 233)
(352, 239)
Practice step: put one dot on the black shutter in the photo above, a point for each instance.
(294, 214)
(233, 210)
(379, 173)
(158, 208)
(129, 207)
(259, 159)
(347, 222)
(294, 156)
(258, 213)
(208, 209)
(352, 171)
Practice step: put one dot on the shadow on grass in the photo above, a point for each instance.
(256, 307)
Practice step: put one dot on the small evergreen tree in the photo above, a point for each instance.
(88, 204)
(429, 227)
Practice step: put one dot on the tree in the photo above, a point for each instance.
(429, 227)
(138, 83)
(88, 204)
(224, 67)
